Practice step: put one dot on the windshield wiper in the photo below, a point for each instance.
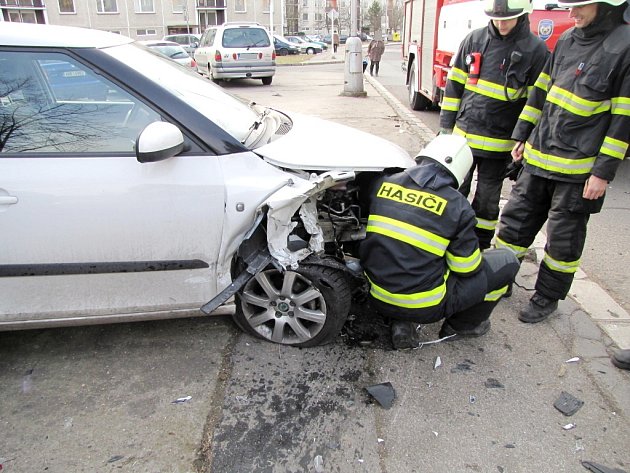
(259, 121)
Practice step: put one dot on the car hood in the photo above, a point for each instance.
(319, 145)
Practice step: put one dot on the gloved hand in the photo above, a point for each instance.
(445, 131)
(513, 170)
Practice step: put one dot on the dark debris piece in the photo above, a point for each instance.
(597, 468)
(493, 383)
(568, 404)
(384, 394)
(115, 458)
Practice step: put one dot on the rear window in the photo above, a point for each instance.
(245, 38)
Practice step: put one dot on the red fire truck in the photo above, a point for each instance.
(433, 30)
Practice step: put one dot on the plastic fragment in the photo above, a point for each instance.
(597, 468)
(384, 394)
(568, 426)
(319, 464)
(435, 433)
(380, 440)
(360, 460)
(472, 399)
(181, 400)
(573, 360)
(115, 458)
(568, 404)
(438, 362)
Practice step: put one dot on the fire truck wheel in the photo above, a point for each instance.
(417, 101)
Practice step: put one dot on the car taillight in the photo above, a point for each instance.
(193, 63)
(259, 55)
(273, 55)
(234, 56)
(217, 56)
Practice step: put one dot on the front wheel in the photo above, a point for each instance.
(267, 80)
(302, 308)
(310, 51)
(283, 52)
(417, 101)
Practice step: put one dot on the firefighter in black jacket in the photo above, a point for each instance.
(572, 136)
(486, 90)
(421, 254)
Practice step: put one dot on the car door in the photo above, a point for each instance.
(87, 230)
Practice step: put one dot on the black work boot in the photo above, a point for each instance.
(404, 335)
(475, 332)
(538, 309)
(621, 359)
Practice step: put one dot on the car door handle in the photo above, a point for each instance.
(8, 200)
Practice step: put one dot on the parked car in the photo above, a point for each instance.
(284, 48)
(305, 46)
(342, 39)
(166, 194)
(236, 51)
(315, 39)
(188, 41)
(172, 51)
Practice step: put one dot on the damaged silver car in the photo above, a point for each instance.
(133, 189)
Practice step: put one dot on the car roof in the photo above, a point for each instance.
(30, 34)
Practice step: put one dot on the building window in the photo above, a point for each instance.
(305, 3)
(66, 6)
(265, 6)
(305, 16)
(144, 6)
(240, 6)
(22, 16)
(178, 6)
(146, 32)
(106, 6)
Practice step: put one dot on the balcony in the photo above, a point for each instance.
(212, 4)
(22, 3)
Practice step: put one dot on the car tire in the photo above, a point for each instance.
(417, 101)
(283, 52)
(267, 80)
(310, 51)
(302, 308)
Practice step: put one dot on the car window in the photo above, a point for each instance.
(50, 102)
(245, 38)
(171, 51)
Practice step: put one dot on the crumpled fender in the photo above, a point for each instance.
(299, 195)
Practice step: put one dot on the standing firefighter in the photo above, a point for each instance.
(421, 254)
(576, 125)
(486, 90)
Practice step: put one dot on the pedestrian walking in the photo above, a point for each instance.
(375, 51)
(421, 255)
(485, 92)
(571, 136)
(335, 41)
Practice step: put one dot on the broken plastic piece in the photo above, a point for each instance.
(573, 360)
(319, 464)
(384, 394)
(568, 426)
(568, 404)
(597, 468)
(438, 362)
(472, 399)
(115, 458)
(380, 440)
(181, 400)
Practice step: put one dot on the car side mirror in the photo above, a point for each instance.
(159, 141)
(194, 45)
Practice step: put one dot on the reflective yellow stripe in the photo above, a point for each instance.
(553, 163)
(416, 300)
(464, 264)
(530, 114)
(574, 104)
(486, 224)
(450, 104)
(561, 266)
(543, 81)
(407, 233)
(493, 90)
(620, 106)
(519, 251)
(614, 148)
(457, 75)
(496, 294)
(485, 142)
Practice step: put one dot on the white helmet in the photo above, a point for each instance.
(507, 9)
(452, 152)
(579, 3)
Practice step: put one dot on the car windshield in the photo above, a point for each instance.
(245, 38)
(174, 52)
(231, 114)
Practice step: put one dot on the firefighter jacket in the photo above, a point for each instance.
(577, 119)
(485, 112)
(420, 230)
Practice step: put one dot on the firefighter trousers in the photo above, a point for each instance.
(533, 201)
(485, 203)
(469, 300)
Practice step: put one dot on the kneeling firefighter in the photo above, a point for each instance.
(421, 254)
